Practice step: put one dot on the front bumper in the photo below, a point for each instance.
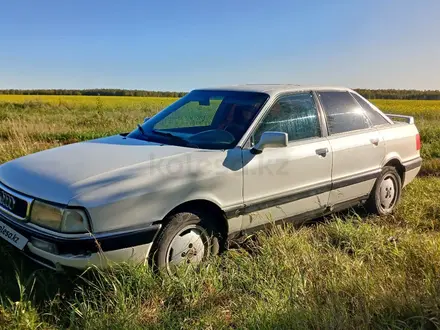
(102, 259)
(80, 252)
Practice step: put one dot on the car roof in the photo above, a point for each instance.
(274, 89)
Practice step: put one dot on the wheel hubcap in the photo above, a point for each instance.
(388, 193)
(190, 245)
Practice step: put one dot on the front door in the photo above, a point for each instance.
(291, 181)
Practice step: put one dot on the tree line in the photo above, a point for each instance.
(92, 92)
(401, 94)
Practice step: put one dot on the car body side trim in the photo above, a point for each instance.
(412, 164)
(290, 197)
(307, 216)
(296, 219)
(354, 179)
(278, 200)
(297, 195)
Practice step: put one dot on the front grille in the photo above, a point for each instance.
(14, 203)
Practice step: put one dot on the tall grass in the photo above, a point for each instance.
(350, 271)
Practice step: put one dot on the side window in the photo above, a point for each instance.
(375, 117)
(344, 114)
(295, 115)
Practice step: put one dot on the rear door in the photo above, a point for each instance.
(358, 149)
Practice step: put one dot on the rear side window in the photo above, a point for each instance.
(375, 117)
(344, 114)
(295, 115)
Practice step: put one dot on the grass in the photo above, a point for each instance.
(348, 271)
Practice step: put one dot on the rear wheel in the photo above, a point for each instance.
(386, 192)
(188, 238)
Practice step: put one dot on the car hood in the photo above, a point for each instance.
(54, 174)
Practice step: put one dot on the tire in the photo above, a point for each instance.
(187, 237)
(386, 192)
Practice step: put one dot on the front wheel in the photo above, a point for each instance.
(386, 192)
(187, 239)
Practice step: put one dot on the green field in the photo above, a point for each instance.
(350, 271)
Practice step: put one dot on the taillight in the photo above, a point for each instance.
(418, 142)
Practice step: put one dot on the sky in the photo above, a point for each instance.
(182, 45)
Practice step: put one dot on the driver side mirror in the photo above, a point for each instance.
(270, 140)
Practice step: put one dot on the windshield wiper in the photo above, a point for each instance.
(175, 137)
(141, 129)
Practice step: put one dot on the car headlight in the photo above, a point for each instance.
(46, 215)
(74, 221)
(59, 219)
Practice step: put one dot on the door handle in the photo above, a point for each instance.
(322, 152)
(375, 141)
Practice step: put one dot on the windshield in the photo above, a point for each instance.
(207, 119)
